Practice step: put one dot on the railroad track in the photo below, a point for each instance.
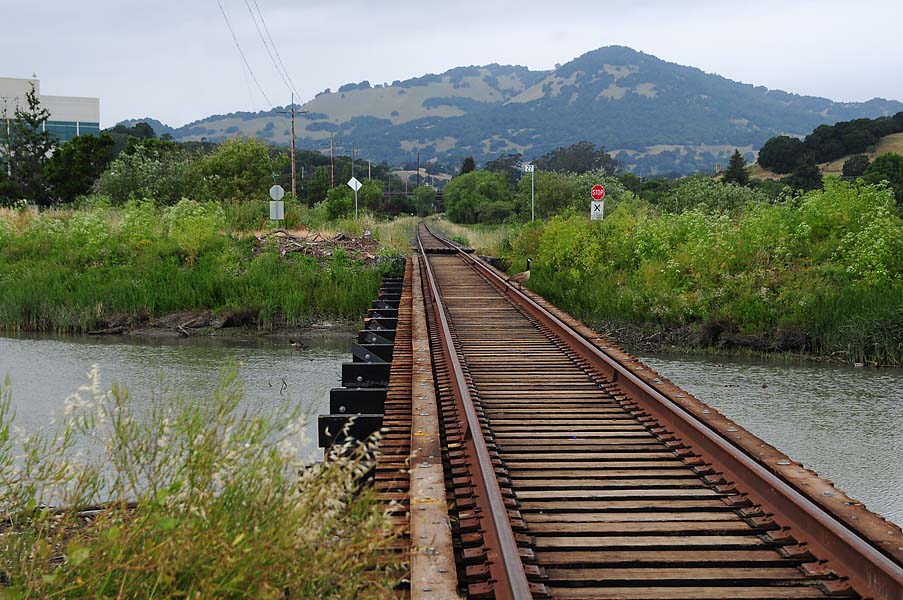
(574, 471)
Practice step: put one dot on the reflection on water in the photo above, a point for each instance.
(43, 371)
(843, 422)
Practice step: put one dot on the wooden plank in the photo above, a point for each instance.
(687, 593)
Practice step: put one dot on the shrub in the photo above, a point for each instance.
(339, 203)
(193, 224)
(239, 169)
(198, 497)
(855, 165)
(148, 172)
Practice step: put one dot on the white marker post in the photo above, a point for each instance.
(531, 169)
(277, 206)
(354, 184)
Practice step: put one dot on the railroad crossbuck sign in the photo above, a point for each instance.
(597, 206)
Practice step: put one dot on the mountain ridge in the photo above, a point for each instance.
(655, 116)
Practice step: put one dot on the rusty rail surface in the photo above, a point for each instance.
(593, 477)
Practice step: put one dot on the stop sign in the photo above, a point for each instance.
(598, 192)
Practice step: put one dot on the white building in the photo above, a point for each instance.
(69, 116)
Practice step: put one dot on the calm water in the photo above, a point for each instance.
(44, 371)
(843, 422)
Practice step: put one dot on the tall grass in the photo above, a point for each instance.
(821, 272)
(488, 240)
(75, 270)
(185, 498)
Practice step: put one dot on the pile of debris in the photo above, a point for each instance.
(316, 245)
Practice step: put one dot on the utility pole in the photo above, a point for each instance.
(368, 169)
(418, 168)
(294, 181)
(352, 160)
(332, 158)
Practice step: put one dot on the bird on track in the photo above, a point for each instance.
(522, 277)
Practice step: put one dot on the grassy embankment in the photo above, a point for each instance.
(198, 499)
(73, 270)
(820, 273)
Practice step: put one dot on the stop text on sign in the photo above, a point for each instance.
(598, 192)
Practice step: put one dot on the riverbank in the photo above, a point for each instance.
(241, 325)
(140, 268)
(689, 340)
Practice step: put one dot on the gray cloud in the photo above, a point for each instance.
(176, 61)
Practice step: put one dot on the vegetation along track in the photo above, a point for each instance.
(574, 471)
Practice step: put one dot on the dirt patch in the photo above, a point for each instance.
(319, 245)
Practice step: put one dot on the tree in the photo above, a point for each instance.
(9, 189)
(238, 170)
(887, 167)
(781, 154)
(76, 165)
(317, 186)
(581, 157)
(370, 195)
(510, 165)
(736, 170)
(468, 166)
(806, 177)
(26, 146)
(466, 194)
(856, 165)
(149, 172)
(424, 200)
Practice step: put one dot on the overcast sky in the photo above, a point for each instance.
(176, 60)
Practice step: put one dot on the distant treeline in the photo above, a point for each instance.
(783, 154)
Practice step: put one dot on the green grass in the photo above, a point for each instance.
(71, 271)
(199, 499)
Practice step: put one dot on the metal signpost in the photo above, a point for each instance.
(277, 206)
(597, 206)
(354, 184)
(530, 169)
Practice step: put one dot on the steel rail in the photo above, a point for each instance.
(506, 567)
(870, 572)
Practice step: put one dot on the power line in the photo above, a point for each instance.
(267, 47)
(241, 52)
(275, 49)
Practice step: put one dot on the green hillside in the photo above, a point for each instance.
(655, 116)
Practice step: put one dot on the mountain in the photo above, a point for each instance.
(655, 116)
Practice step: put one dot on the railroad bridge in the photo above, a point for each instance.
(527, 456)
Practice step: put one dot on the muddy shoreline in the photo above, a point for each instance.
(711, 340)
(236, 326)
(720, 340)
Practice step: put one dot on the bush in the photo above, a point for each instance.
(239, 170)
(704, 192)
(339, 203)
(198, 498)
(193, 224)
(148, 172)
(855, 165)
(887, 167)
(827, 263)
